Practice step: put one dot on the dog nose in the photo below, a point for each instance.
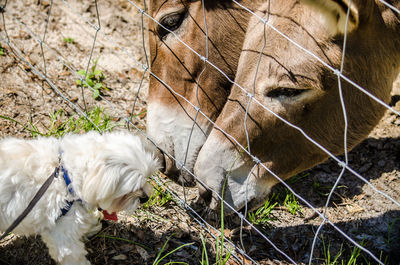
(143, 198)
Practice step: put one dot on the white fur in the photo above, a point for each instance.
(108, 171)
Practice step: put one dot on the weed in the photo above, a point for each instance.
(31, 130)
(355, 253)
(297, 178)
(159, 258)
(353, 257)
(79, 124)
(94, 79)
(291, 203)
(261, 216)
(323, 190)
(204, 255)
(327, 254)
(73, 124)
(68, 40)
(160, 197)
(390, 228)
(124, 240)
(2, 51)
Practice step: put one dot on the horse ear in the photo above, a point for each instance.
(335, 14)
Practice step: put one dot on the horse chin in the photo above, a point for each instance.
(239, 195)
(243, 191)
(237, 187)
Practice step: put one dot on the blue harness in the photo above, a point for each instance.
(67, 180)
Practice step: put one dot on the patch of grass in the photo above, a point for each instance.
(261, 215)
(60, 124)
(94, 78)
(323, 190)
(329, 259)
(297, 178)
(291, 203)
(78, 124)
(204, 255)
(160, 197)
(353, 256)
(390, 228)
(160, 258)
(2, 51)
(123, 240)
(68, 40)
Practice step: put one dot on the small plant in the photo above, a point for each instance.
(123, 240)
(297, 178)
(323, 190)
(355, 253)
(204, 255)
(160, 197)
(219, 242)
(60, 124)
(291, 203)
(2, 52)
(327, 253)
(68, 40)
(93, 78)
(390, 228)
(352, 258)
(77, 124)
(159, 258)
(261, 216)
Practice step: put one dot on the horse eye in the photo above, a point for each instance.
(285, 92)
(170, 23)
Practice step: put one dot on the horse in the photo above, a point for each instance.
(183, 35)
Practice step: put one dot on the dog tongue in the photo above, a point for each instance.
(112, 217)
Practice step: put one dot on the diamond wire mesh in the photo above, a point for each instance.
(41, 67)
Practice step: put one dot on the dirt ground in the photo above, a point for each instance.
(356, 207)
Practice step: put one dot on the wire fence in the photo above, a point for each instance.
(101, 43)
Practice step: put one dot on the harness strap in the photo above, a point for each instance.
(33, 202)
(68, 181)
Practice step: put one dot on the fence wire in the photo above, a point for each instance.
(10, 18)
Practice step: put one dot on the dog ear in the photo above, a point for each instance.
(334, 13)
(115, 177)
(109, 180)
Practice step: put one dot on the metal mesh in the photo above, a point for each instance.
(48, 73)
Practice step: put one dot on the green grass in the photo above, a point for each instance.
(94, 79)
(61, 123)
(77, 124)
(123, 240)
(297, 178)
(68, 40)
(261, 216)
(329, 259)
(204, 255)
(350, 256)
(160, 197)
(160, 258)
(2, 51)
(390, 228)
(324, 190)
(291, 203)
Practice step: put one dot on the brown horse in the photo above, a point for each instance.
(277, 80)
(179, 71)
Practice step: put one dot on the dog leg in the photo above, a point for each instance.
(65, 240)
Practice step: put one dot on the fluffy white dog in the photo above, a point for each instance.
(106, 171)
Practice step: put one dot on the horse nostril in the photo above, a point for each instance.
(143, 199)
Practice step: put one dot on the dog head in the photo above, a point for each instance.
(117, 176)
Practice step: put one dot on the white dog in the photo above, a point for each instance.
(105, 171)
